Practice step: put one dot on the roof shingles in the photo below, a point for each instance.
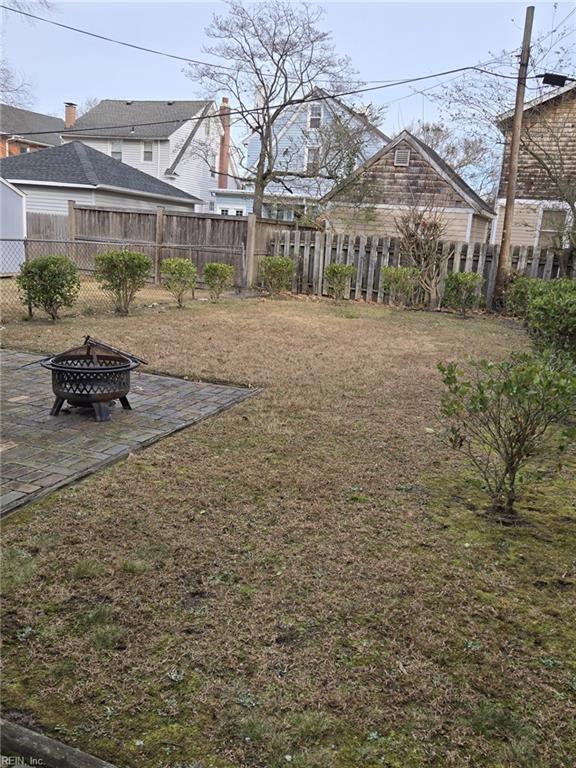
(21, 122)
(76, 163)
(164, 117)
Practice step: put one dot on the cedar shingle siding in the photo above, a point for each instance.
(549, 128)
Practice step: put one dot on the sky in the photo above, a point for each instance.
(385, 41)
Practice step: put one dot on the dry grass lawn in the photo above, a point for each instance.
(307, 580)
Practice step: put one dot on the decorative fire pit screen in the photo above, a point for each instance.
(91, 375)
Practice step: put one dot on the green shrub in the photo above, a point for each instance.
(462, 290)
(401, 285)
(276, 273)
(503, 414)
(122, 274)
(518, 292)
(551, 316)
(218, 277)
(179, 276)
(337, 277)
(49, 283)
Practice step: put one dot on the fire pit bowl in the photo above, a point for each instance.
(91, 375)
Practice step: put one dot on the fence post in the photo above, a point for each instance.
(251, 269)
(27, 258)
(72, 230)
(159, 241)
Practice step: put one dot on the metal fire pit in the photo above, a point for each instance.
(91, 375)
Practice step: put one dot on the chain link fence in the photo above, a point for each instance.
(92, 299)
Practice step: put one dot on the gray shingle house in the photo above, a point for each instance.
(178, 142)
(74, 171)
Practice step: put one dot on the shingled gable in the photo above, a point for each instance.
(76, 164)
(439, 165)
(558, 93)
(15, 121)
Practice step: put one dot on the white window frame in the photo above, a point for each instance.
(224, 211)
(239, 211)
(539, 228)
(151, 150)
(120, 143)
(319, 117)
(306, 164)
(397, 163)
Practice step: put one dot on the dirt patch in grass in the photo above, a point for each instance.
(305, 580)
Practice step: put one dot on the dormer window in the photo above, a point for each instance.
(315, 116)
(402, 157)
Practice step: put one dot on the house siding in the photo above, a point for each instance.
(527, 216)
(480, 230)
(120, 200)
(382, 221)
(45, 199)
(551, 129)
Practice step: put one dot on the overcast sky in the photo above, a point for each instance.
(384, 40)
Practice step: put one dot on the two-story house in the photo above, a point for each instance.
(304, 135)
(183, 143)
(545, 200)
(23, 131)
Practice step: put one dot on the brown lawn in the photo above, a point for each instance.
(306, 580)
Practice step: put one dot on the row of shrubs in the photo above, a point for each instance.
(53, 282)
(400, 284)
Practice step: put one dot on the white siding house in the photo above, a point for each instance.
(177, 142)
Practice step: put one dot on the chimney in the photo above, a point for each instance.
(224, 161)
(69, 114)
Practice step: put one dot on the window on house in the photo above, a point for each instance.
(23, 149)
(239, 212)
(315, 119)
(147, 151)
(211, 206)
(224, 211)
(116, 149)
(552, 228)
(313, 159)
(402, 157)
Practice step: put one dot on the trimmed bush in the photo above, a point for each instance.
(179, 277)
(462, 291)
(337, 276)
(218, 277)
(401, 284)
(276, 273)
(518, 293)
(122, 274)
(551, 316)
(502, 415)
(49, 283)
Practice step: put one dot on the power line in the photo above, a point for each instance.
(295, 102)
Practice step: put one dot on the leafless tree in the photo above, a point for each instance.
(421, 229)
(87, 104)
(271, 56)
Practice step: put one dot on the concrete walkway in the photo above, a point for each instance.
(39, 452)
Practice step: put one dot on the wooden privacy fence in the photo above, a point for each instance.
(312, 252)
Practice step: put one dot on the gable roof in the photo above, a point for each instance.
(75, 163)
(352, 112)
(436, 162)
(550, 96)
(22, 122)
(110, 112)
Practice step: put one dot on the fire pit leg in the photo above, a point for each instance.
(58, 403)
(101, 411)
(125, 404)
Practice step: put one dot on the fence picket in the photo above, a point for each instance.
(349, 259)
(360, 267)
(305, 263)
(468, 264)
(534, 267)
(385, 257)
(327, 261)
(522, 260)
(372, 259)
(296, 260)
(318, 263)
(547, 274)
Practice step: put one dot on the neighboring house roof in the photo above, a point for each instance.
(550, 96)
(110, 112)
(370, 126)
(21, 122)
(438, 164)
(76, 164)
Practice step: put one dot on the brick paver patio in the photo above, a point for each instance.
(39, 452)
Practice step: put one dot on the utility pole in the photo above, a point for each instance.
(504, 261)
